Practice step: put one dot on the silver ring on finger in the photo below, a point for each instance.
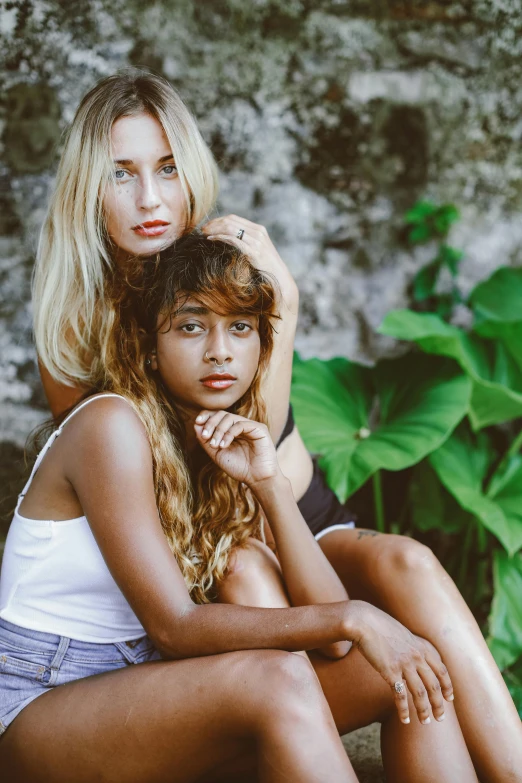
(241, 233)
(399, 688)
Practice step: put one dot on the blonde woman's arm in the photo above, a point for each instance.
(59, 396)
(257, 245)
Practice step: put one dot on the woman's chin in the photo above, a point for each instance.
(141, 247)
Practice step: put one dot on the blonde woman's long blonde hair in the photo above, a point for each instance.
(72, 313)
(204, 513)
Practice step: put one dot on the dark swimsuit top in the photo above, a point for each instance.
(319, 505)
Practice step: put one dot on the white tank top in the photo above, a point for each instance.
(54, 578)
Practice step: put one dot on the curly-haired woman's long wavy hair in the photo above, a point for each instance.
(204, 513)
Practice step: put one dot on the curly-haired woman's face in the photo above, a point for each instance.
(207, 360)
(144, 204)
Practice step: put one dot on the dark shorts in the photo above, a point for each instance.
(321, 509)
(32, 663)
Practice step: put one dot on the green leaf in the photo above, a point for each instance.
(432, 506)
(499, 299)
(425, 281)
(444, 218)
(505, 620)
(445, 304)
(462, 464)
(505, 488)
(450, 257)
(497, 305)
(364, 419)
(497, 379)
(419, 234)
(420, 211)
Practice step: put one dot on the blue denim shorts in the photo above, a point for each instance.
(32, 663)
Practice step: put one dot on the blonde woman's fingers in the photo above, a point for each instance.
(234, 241)
(231, 224)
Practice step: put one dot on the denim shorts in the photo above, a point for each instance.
(32, 663)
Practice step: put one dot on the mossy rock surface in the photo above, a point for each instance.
(32, 128)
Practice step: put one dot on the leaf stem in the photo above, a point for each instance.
(515, 446)
(378, 502)
(511, 452)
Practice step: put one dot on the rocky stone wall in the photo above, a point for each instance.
(329, 118)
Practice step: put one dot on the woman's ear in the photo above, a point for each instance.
(147, 345)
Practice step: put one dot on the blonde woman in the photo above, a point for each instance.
(134, 174)
(171, 461)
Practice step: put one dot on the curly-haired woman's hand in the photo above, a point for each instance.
(401, 657)
(241, 447)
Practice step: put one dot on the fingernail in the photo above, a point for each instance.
(406, 720)
(213, 442)
(450, 698)
(222, 443)
(205, 433)
(426, 721)
(441, 717)
(199, 418)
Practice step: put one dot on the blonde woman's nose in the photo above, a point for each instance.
(149, 195)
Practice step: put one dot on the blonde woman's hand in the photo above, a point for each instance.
(241, 447)
(254, 243)
(401, 657)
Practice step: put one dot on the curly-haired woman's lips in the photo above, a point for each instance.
(221, 380)
(152, 228)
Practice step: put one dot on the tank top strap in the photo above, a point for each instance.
(53, 437)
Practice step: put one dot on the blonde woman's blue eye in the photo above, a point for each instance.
(119, 173)
(171, 169)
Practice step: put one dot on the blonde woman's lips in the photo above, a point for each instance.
(152, 228)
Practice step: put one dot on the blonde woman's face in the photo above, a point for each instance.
(144, 204)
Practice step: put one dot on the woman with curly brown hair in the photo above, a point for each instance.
(129, 525)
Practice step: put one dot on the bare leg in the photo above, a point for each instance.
(174, 722)
(404, 578)
(357, 695)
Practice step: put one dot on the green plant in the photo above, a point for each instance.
(447, 416)
(428, 222)
(364, 419)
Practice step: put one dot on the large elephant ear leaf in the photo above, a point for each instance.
(505, 620)
(462, 464)
(361, 419)
(496, 377)
(497, 306)
(332, 402)
(505, 489)
(432, 506)
(499, 299)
